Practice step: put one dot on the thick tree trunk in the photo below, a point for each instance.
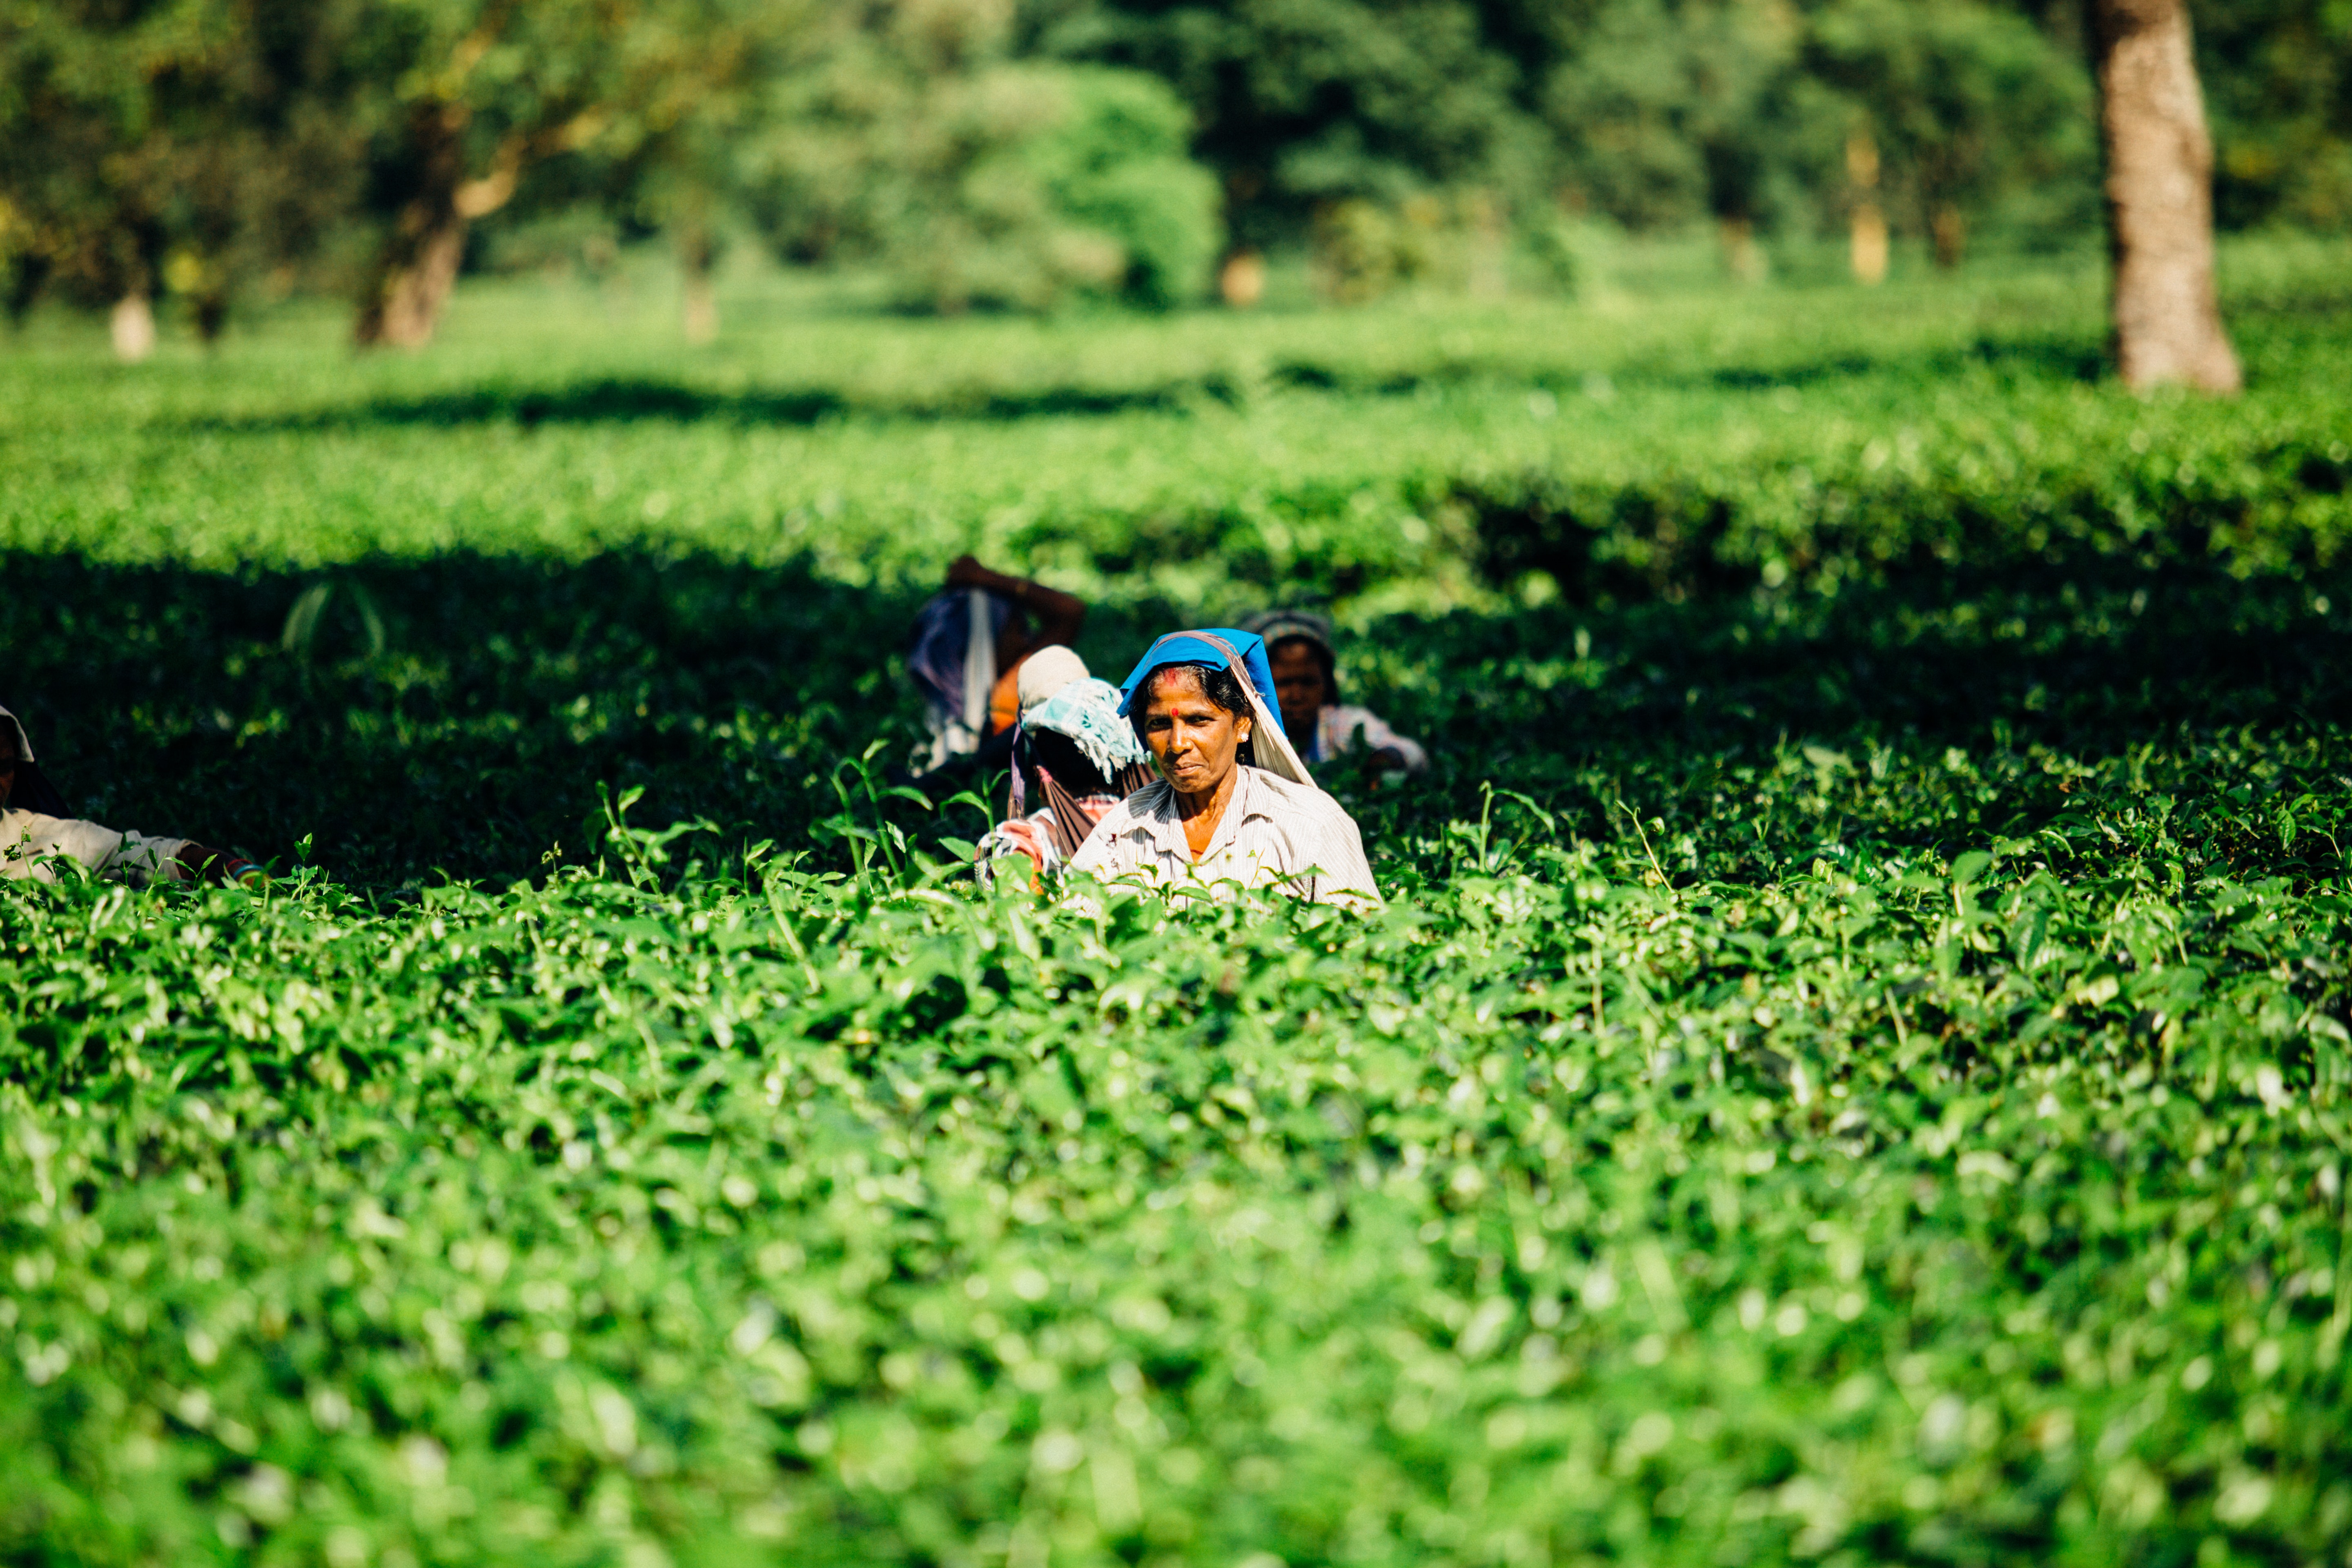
(1742, 257)
(1241, 281)
(1950, 230)
(412, 286)
(417, 269)
(2160, 195)
(212, 315)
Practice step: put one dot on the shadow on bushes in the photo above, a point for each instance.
(508, 691)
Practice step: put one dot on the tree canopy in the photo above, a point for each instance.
(1024, 153)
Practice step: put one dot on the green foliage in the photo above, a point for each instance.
(1117, 163)
(1853, 1064)
(220, 154)
(1035, 185)
(1673, 112)
(1970, 109)
(154, 147)
(1414, 454)
(969, 179)
(2278, 85)
(1301, 102)
(1679, 1132)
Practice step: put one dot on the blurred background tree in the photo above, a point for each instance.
(920, 145)
(1965, 113)
(1029, 154)
(146, 147)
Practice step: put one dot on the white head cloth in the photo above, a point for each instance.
(1045, 673)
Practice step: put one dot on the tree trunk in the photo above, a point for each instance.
(212, 315)
(1867, 251)
(697, 255)
(418, 264)
(1742, 257)
(417, 269)
(2159, 197)
(1241, 281)
(1950, 231)
(133, 327)
(415, 283)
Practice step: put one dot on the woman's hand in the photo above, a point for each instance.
(966, 572)
(1058, 614)
(220, 866)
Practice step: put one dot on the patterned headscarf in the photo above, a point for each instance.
(1087, 713)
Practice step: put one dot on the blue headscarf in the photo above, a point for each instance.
(1243, 653)
(1228, 647)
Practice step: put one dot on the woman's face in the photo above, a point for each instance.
(1192, 739)
(1298, 684)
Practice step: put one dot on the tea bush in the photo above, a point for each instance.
(1403, 455)
(1854, 1066)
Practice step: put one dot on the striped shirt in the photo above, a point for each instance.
(1272, 829)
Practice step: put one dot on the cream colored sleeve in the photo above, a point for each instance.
(1348, 723)
(31, 844)
(140, 859)
(1100, 856)
(1323, 836)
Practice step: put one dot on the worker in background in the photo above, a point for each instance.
(38, 836)
(1306, 664)
(969, 642)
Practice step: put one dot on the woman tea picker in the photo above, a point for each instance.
(1074, 753)
(1305, 665)
(969, 640)
(36, 834)
(1234, 808)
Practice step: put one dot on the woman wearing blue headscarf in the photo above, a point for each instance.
(1235, 808)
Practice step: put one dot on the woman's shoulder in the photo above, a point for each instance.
(1296, 799)
(1145, 803)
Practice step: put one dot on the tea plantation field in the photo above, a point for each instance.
(1854, 1067)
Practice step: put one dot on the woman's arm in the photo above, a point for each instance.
(216, 865)
(1387, 748)
(1059, 614)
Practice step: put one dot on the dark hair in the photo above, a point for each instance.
(32, 790)
(1323, 655)
(1059, 756)
(1217, 682)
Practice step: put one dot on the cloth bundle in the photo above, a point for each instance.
(953, 654)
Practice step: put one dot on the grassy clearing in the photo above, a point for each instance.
(1853, 1068)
